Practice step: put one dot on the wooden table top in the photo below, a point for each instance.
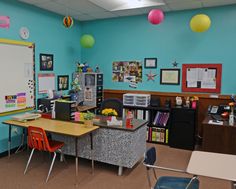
(56, 126)
(215, 165)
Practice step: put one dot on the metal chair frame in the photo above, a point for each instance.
(45, 142)
(153, 167)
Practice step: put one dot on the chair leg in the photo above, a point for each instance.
(62, 156)
(31, 154)
(149, 180)
(53, 160)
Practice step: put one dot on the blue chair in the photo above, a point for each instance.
(167, 182)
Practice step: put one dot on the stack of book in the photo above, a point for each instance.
(155, 134)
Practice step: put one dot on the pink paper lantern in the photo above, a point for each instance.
(155, 16)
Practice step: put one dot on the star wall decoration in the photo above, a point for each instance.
(151, 76)
(175, 64)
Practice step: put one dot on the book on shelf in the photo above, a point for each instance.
(161, 118)
(140, 114)
(167, 135)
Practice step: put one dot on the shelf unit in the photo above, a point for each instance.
(158, 130)
(91, 83)
(158, 121)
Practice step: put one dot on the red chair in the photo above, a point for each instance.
(37, 139)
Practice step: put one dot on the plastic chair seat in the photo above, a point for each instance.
(37, 140)
(55, 145)
(168, 182)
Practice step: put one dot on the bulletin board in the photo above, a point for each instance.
(17, 76)
(127, 71)
(201, 78)
(46, 82)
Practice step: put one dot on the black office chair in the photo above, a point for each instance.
(167, 182)
(113, 103)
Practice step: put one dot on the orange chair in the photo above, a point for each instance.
(37, 139)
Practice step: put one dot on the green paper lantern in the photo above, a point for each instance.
(87, 41)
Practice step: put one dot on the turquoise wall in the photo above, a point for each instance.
(134, 38)
(49, 36)
(126, 38)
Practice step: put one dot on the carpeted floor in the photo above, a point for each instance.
(104, 177)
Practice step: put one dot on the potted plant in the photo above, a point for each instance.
(75, 89)
(88, 118)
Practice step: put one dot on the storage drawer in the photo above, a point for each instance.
(99, 79)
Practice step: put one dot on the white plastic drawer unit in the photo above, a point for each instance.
(130, 99)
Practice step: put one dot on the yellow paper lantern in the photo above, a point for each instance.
(200, 23)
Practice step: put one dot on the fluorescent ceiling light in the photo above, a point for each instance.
(114, 5)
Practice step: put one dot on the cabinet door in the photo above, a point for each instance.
(182, 128)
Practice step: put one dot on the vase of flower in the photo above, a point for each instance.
(107, 114)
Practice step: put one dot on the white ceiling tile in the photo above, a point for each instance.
(86, 17)
(185, 5)
(104, 14)
(108, 5)
(211, 3)
(128, 12)
(83, 6)
(92, 9)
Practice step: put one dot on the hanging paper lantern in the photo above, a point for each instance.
(68, 21)
(155, 16)
(200, 23)
(87, 41)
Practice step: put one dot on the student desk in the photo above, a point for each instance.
(74, 130)
(215, 165)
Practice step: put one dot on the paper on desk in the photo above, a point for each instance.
(215, 123)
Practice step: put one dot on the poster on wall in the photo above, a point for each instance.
(127, 71)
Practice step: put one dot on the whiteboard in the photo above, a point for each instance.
(17, 75)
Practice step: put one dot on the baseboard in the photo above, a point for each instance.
(3, 154)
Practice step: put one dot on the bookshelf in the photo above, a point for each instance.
(158, 121)
(158, 127)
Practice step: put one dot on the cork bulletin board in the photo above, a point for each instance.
(201, 78)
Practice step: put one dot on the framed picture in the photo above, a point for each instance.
(46, 62)
(150, 62)
(170, 76)
(62, 82)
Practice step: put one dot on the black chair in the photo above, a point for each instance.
(167, 182)
(113, 103)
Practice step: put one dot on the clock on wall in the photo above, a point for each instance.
(24, 32)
